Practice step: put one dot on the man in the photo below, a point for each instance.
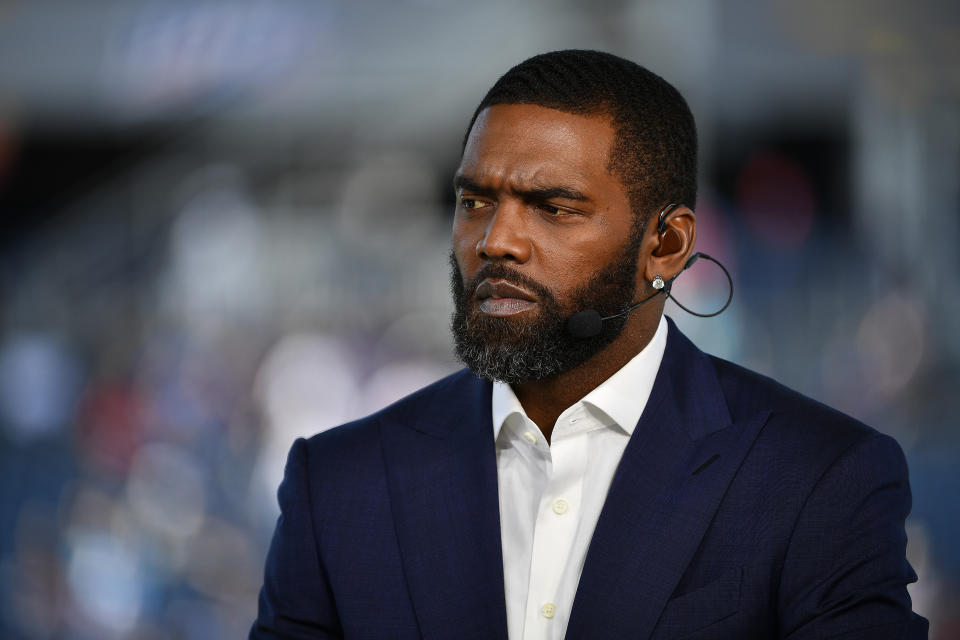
(608, 483)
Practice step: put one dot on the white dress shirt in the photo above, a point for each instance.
(551, 494)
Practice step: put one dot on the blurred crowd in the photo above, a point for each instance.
(258, 250)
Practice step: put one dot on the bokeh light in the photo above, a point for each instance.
(776, 200)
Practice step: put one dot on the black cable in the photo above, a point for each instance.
(694, 258)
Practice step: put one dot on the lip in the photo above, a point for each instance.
(502, 289)
(501, 298)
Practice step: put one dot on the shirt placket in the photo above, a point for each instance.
(558, 516)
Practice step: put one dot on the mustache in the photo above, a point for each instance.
(500, 271)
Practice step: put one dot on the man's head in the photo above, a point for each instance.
(655, 153)
(565, 160)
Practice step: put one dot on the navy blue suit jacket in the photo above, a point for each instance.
(740, 509)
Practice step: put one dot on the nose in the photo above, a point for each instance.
(505, 236)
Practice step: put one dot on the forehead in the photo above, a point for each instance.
(529, 144)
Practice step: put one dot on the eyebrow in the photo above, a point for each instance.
(461, 182)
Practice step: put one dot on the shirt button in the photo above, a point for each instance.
(530, 436)
(560, 506)
(548, 610)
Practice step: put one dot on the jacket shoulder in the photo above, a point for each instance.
(437, 397)
(795, 419)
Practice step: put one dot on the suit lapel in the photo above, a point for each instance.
(442, 473)
(674, 471)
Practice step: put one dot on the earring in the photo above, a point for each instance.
(658, 282)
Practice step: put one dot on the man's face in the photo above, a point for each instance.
(542, 230)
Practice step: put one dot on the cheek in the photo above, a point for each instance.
(571, 263)
(463, 248)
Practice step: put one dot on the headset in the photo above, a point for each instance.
(589, 322)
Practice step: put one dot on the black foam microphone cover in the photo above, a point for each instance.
(585, 324)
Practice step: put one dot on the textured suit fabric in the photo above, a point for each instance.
(740, 509)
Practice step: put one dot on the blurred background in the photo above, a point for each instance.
(225, 225)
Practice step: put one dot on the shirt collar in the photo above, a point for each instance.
(622, 396)
(505, 404)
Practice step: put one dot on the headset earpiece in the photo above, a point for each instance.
(666, 244)
(662, 218)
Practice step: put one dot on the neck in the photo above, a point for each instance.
(544, 400)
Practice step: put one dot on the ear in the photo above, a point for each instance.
(673, 246)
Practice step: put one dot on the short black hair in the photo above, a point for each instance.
(655, 152)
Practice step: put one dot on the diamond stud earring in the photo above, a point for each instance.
(658, 282)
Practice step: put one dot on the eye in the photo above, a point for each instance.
(553, 210)
(471, 203)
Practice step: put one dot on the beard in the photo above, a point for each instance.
(521, 349)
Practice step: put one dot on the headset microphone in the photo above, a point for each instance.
(589, 322)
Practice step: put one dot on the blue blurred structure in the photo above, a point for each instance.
(226, 224)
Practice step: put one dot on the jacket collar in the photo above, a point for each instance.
(442, 478)
(681, 458)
